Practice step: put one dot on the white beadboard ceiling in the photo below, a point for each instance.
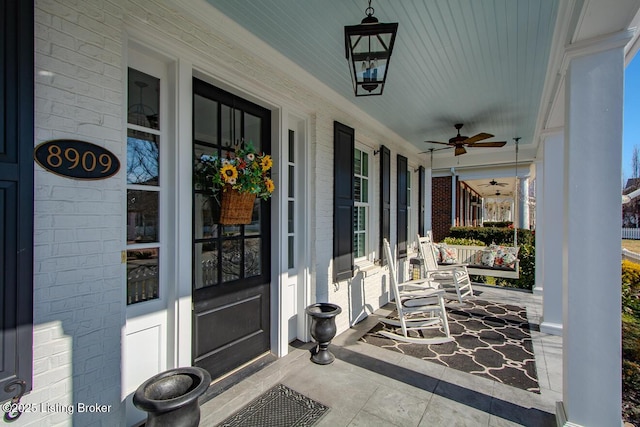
(478, 62)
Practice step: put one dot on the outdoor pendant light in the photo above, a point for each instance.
(368, 49)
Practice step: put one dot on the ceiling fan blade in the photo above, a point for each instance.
(490, 144)
(436, 142)
(475, 138)
(460, 150)
(436, 149)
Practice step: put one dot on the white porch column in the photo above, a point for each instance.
(538, 286)
(593, 149)
(552, 214)
(454, 200)
(428, 197)
(523, 203)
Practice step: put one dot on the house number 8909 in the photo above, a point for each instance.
(76, 159)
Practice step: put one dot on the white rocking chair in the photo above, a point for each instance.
(419, 308)
(453, 274)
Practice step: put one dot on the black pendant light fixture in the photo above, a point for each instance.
(368, 49)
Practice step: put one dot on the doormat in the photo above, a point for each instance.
(279, 406)
(491, 340)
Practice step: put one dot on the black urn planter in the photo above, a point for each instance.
(171, 397)
(323, 329)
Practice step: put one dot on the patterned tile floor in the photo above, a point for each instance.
(370, 386)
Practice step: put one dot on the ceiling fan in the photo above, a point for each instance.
(492, 183)
(460, 141)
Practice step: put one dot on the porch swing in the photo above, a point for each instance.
(481, 260)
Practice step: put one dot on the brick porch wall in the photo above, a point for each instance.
(441, 209)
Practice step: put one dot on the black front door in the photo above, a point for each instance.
(231, 264)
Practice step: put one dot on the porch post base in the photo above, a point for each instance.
(551, 328)
(561, 417)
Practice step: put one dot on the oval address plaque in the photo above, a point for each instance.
(76, 159)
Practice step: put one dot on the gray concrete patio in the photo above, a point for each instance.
(370, 386)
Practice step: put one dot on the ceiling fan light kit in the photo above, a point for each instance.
(459, 142)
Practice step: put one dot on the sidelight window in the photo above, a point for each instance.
(143, 187)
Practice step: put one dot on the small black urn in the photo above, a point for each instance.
(171, 397)
(323, 329)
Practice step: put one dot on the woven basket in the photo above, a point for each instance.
(236, 208)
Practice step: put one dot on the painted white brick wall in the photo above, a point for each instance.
(79, 306)
(78, 298)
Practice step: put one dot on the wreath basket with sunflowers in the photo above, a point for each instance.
(238, 180)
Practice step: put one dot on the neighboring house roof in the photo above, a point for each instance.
(632, 184)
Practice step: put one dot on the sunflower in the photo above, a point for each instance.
(229, 172)
(270, 185)
(266, 163)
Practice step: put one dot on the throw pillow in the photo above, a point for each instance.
(505, 256)
(448, 255)
(488, 257)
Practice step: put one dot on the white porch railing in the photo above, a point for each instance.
(631, 233)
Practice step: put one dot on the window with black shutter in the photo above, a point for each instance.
(385, 197)
(402, 206)
(343, 201)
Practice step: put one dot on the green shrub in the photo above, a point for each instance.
(462, 241)
(499, 224)
(631, 365)
(527, 279)
(488, 235)
(631, 340)
(631, 287)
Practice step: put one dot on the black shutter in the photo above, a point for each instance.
(343, 147)
(385, 197)
(421, 204)
(402, 206)
(16, 196)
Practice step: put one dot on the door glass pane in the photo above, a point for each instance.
(225, 126)
(143, 158)
(143, 282)
(143, 100)
(252, 130)
(252, 266)
(206, 264)
(253, 228)
(205, 119)
(201, 181)
(291, 252)
(291, 182)
(205, 212)
(231, 230)
(142, 216)
(231, 260)
(290, 222)
(291, 146)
